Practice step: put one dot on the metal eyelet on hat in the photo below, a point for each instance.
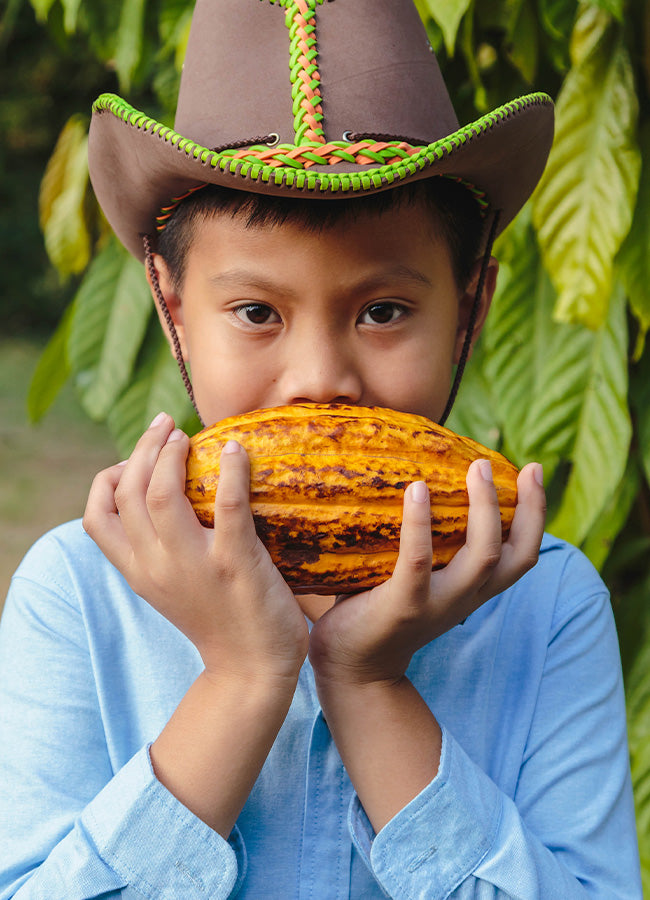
(273, 139)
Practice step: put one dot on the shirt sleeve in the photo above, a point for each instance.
(70, 826)
(569, 829)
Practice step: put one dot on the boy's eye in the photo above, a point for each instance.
(382, 313)
(256, 314)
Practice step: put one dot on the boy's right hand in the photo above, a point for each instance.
(219, 587)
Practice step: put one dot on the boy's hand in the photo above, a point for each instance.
(220, 588)
(371, 637)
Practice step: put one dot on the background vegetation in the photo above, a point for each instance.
(562, 372)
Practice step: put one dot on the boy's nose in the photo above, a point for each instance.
(322, 372)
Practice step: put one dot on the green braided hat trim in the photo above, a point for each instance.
(294, 170)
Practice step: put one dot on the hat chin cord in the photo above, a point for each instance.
(460, 368)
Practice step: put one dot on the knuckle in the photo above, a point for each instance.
(159, 496)
(491, 555)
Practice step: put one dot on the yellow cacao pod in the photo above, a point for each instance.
(327, 488)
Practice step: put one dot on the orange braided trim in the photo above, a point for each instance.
(304, 52)
(332, 154)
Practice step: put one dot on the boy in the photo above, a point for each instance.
(165, 733)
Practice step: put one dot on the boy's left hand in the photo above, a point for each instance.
(371, 636)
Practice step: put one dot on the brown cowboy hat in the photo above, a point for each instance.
(309, 98)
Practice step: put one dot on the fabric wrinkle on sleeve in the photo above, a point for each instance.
(440, 837)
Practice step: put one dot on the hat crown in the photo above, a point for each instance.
(310, 70)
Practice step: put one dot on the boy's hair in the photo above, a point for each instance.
(453, 208)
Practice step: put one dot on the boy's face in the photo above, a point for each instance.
(364, 313)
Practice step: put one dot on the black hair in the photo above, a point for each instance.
(454, 209)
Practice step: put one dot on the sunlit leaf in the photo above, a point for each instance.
(613, 7)
(448, 15)
(51, 372)
(634, 258)
(638, 708)
(112, 309)
(42, 8)
(70, 13)
(62, 200)
(602, 535)
(584, 204)
(157, 386)
(592, 26)
(473, 413)
(523, 43)
(128, 49)
(604, 430)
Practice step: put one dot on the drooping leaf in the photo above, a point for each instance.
(601, 537)
(634, 258)
(613, 7)
(638, 717)
(557, 17)
(112, 309)
(473, 413)
(604, 430)
(584, 204)
(448, 15)
(128, 49)
(157, 386)
(591, 28)
(42, 8)
(52, 370)
(523, 43)
(62, 200)
(70, 13)
(640, 404)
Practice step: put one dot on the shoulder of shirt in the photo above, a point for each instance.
(61, 556)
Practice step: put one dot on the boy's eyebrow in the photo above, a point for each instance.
(248, 278)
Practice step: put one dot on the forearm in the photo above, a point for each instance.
(388, 739)
(212, 749)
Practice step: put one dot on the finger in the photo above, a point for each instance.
(131, 492)
(412, 575)
(233, 519)
(170, 511)
(521, 550)
(101, 520)
(474, 563)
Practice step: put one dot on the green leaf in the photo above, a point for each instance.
(70, 13)
(638, 721)
(523, 43)
(604, 431)
(640, 403)
(157, 386)
(448, 15)
(473, 413)
(557, 17)
(615, 8)
(128, 51)
(42, 8)
(537, 367)
(62, 200)
(591, 27)
(600, 539)
(634, 258)
(112, 309)
(52, 370)
(583, 206)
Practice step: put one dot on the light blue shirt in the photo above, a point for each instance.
(532, 799)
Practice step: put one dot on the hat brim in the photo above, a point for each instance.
(137, 165)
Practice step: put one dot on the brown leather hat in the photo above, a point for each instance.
(309, 98)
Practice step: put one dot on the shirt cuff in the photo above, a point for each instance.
(155, 844)
(440, 837)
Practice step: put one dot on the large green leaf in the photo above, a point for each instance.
(538, 368)
(128, 50)
(638, 712)
(604, 430)
(112, 309)
(52, 370)
(42, 8)
(584, 204)
(634, 258)
(157, 386)
(523, 42)
(604, 532)
(62, 200)
(640, 403)
(473, 413)
(448, 15)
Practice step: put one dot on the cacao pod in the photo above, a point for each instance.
(327, 488)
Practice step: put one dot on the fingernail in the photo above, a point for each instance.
(158, 419)
(419, 492)
(539, 474)
(485, 468)
(176, 435)
(231, 447)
